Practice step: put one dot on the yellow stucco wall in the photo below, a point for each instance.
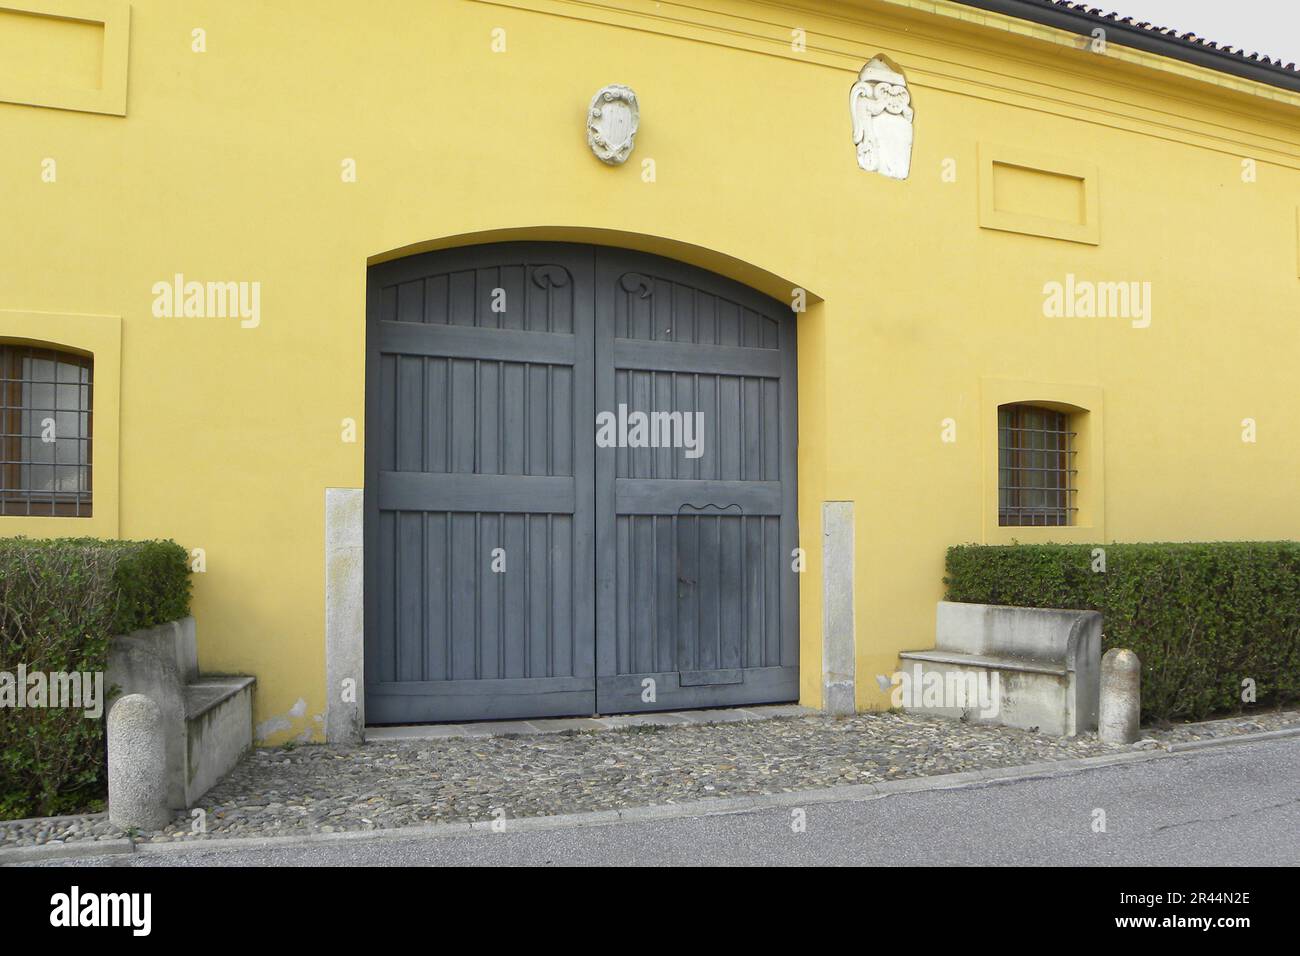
(227, 167)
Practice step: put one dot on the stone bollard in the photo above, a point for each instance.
(137, 765)
(1121, 697)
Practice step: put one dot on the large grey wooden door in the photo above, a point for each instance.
(479, 485)
(516, 569)
(697, 605)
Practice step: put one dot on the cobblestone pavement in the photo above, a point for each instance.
(410, 782)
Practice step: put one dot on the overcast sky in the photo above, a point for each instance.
(1271, 27)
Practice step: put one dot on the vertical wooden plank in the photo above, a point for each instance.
(621, 305)
(538, 414)
(560, 313)
(489, 598)
(550, 595)
(464, 575)
(435, 300)
(513, 402)
(512, 278)
(409, 578)
(564, 630)
(774, 568)
(461, 425)
(754, 617)
(538, 304)
(487, 418)
(643, 581)
(622, 396)
(728, 427)
(707, 396)
(686, 316)
(460, 297)
(410, 302)
(384, 435)
(731, 593)
(665, 593)
(436, 606)
(688, 592)
(487, 281)
(515, 610)
(436, 414)
(684, 401)
(752, 425)
(705, 307)
(644, 314)
(710, 592)
(539, 597)
(728, 322)
(659, 309)
(661, 400)
(561, 425)
(409, 434)
(773, 439)
(626, 583)
(640, 460)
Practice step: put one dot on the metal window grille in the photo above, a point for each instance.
(1036, 473)
(45, 432)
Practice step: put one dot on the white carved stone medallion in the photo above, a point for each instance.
(882, 120)
(611, 124)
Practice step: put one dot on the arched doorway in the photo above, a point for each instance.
(580, 486)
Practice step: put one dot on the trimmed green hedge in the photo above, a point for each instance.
(60, 602)
(1202, 617)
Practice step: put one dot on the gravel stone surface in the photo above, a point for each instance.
(383, 784)
(1229, 727)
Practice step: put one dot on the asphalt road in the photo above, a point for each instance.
(1234, 805)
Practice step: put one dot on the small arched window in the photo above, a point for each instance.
(1036, 472)
(46, 407)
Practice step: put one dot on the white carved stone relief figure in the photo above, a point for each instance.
(882, 120)
(611, 124)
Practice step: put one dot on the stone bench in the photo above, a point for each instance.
(207, 720)
(1047, 664)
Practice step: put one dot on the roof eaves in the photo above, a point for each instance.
(1140, 35)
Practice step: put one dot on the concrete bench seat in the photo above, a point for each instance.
(1000, 663)
(207, 720)
(207, 693)
(1044, 666)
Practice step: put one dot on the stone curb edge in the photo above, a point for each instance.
(665, 811)
(62, 851)
(1187, 745)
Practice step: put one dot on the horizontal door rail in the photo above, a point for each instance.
(476, 688)
(668, 496)
(705, 359)
(513, 494)
(496, 345)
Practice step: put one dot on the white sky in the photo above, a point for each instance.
(1270, 27)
